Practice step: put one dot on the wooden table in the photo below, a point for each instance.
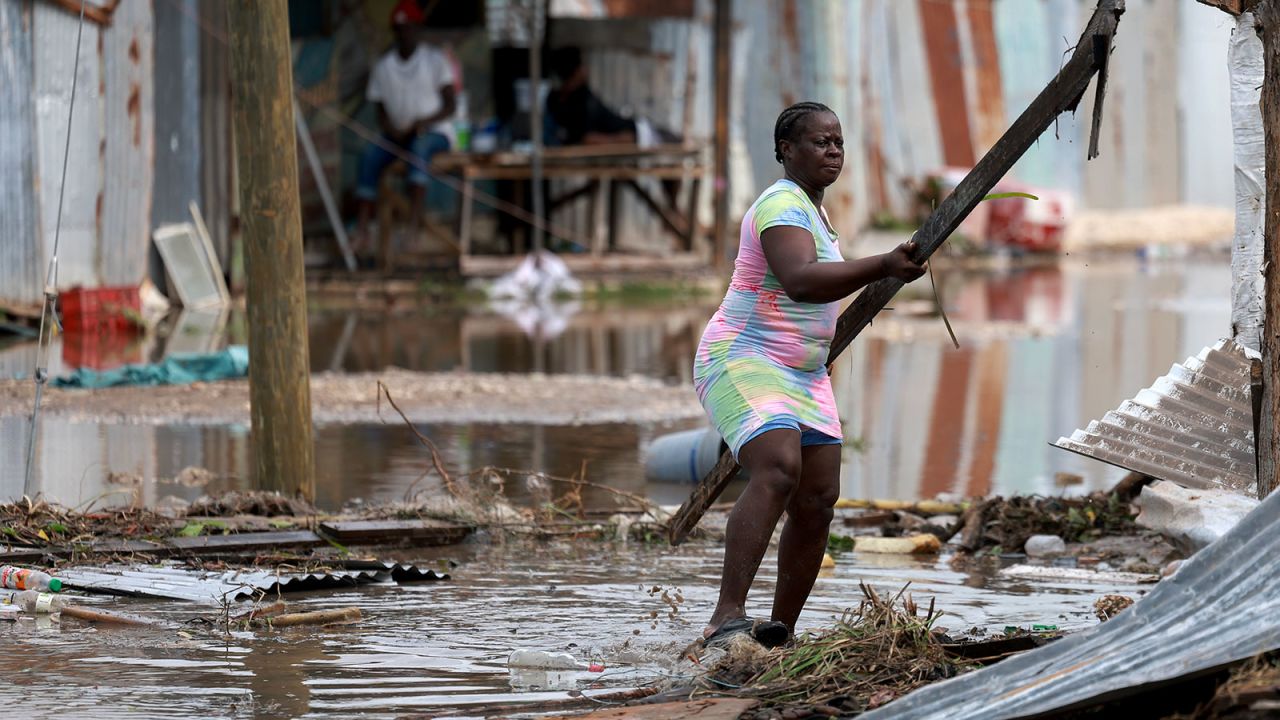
(605, 170)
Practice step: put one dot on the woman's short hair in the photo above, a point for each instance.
(789, 119)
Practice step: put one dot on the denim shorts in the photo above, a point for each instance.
(375, 159)
(808, 436)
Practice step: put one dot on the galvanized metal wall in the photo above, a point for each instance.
(106, 199)
(128, 145)
(927, 83)
(20, 241)
(53, 45)
(177, 110)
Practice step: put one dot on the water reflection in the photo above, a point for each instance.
(1043, 350)
(426, 647)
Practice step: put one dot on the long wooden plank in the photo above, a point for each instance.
(416, 532)
(200, 545)
(1061, 94)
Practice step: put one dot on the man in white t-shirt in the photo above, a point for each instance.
(412, 86)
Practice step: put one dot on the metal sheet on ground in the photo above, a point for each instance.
(178, 583)
(1219, 609)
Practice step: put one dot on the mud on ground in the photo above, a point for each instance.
(352, 398)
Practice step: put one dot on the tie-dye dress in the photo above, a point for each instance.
(761, 361)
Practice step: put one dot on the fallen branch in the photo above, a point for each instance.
(257, 613)
(318, 617)
(426, 441)
(103, 616)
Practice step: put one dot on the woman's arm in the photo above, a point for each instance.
(793, 259)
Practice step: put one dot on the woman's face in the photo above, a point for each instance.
(816, 154)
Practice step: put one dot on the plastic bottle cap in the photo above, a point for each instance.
(55, 585)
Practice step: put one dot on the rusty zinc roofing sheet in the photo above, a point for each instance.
(1220, 608)
(179, 583)
(1193, 426)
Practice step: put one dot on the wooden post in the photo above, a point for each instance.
(1267, 13)
(536, 26)
(266, 156)
(720, 163)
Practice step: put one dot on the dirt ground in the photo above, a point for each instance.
(349, 398)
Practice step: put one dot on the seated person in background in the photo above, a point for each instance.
(412, 86)
(581, 117)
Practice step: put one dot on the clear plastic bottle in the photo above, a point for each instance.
(31, 601)
(16, 578)
(543, 660)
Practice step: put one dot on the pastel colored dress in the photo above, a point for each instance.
(761, 363)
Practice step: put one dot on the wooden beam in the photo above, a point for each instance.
(411, 532)
(1231, 7)
(720, 174)
(671, 218)
(1061, 94)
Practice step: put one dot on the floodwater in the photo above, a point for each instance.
(440, 648)
(1043, 350)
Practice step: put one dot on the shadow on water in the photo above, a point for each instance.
(1043, 351)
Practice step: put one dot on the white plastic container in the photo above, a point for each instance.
(37, 603)
(543, 660)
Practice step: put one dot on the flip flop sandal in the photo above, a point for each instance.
(724, 634)
(770, 633)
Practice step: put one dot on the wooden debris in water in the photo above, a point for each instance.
(875, 653)
(340, 616)
(110, 618)
(925, 544)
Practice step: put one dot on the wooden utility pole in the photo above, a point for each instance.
(720, 163)
(271, 225)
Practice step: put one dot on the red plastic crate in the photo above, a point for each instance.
(101, 350)
(100, 309)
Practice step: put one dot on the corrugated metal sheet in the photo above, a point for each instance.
(20, 241)
(178, 583)
(107, 206)
(1193, 426)
(1219, 608)
(985, 61)
(128, 144)
(53, 45)
(177, 111)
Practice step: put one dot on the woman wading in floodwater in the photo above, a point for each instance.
(760, 372)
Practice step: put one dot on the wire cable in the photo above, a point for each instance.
(49, 311)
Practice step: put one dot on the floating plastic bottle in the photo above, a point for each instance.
(16, 578)
(38, 603)
(543, 660)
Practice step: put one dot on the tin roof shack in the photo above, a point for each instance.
(923, 84)
(133, 163)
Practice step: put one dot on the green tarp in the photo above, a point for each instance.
(178, 369)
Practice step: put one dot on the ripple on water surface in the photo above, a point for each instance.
(443, 646)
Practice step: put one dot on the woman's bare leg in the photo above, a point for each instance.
(773, 461)
(804, 536)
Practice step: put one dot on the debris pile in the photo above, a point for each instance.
(1005, 524)
(37, 523)
(881, 650)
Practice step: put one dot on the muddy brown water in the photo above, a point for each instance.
(442, 647)
(1043, 351)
